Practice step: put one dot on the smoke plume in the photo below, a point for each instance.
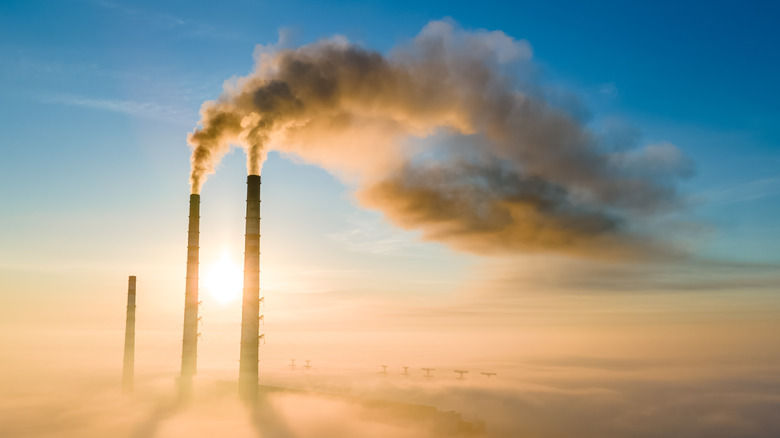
(449, 135)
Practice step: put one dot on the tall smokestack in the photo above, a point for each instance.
(128, 368)
(189, 351)
(250, 314)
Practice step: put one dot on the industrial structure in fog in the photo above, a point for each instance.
(128, 364)
(249, 388)
(250, 306)
(189, 347)
(250, 313)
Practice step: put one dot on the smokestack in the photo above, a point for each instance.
(128, 369)
(189, 351)
(250, 314)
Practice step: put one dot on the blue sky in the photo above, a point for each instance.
(99, 96)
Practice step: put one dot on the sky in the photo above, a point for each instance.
(98, 99)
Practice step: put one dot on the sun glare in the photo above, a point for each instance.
(223, 281)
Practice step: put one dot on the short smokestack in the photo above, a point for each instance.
(189, 351)
(250, 314)
(128, 368)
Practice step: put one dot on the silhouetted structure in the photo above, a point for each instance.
(384, 370)
(250, 313)
(406, 371)
(189, 345)
(461, 373)
(428, 373)
(292, 364)
(489, 375)
(308, 365)
(128, 367)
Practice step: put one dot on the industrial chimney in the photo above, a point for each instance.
(128, 368)
(250, 314)
(189, 351)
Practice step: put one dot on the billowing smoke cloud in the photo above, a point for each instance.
(445, 136)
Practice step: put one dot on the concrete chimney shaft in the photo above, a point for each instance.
(128, 368)
(189, 351)
(250, 314)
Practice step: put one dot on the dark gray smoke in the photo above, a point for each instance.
(443, 136)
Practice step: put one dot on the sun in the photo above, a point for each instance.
(223, 281)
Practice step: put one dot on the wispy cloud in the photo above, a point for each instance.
(187, 27)
(368, 233)
(43, 70)
(744, 191)
(150, 110)
(584, 277)
(608, 89)
(158, 17)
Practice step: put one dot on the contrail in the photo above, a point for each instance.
(443, 137)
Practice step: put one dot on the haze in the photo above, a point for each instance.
(565, 212)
